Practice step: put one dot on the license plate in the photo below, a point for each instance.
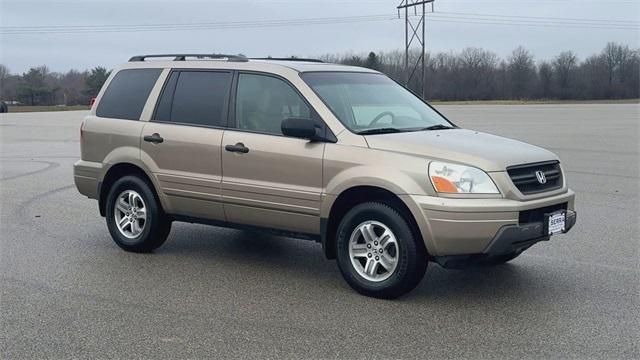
(556, 223)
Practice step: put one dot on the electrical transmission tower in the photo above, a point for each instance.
(414, 32)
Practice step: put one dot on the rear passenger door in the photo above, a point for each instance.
(113, 134)
(181, 144)
(269, 179)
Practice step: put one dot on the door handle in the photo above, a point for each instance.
(155, 138)
(239, 148)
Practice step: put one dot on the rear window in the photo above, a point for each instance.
(127, 94)
(195, 98)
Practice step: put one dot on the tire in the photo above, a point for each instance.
(146, 234)
(408, 251)
(501, 259)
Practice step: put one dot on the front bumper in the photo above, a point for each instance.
(516, 238)
(472, 226)
(509, 239)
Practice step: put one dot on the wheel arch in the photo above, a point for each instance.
(116, 172)
(353, 196)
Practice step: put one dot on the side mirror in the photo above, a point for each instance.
(300, 128)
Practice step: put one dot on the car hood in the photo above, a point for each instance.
(485, 151)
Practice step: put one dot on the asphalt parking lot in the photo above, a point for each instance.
(66, 290)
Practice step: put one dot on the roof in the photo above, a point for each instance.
(304, 66)
(239, 62)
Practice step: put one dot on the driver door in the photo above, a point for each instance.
(270, 180)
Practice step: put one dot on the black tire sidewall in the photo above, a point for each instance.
(412, 258)
(154, 232)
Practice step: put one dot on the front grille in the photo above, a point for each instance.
(525, 179)
(537, 215)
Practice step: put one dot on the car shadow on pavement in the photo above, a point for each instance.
(479, 282)
(279, 257)
(251, 249)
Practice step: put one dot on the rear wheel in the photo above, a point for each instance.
(378, 254)
(134, 216)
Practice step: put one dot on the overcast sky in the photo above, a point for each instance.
(82, 49)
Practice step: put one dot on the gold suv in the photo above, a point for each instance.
(338, 154)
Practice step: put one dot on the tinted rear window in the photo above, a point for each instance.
(127, 94)
(163, 111)
(195, 97)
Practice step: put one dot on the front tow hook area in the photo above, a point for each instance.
(509, 239)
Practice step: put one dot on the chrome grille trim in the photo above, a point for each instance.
(525, 179)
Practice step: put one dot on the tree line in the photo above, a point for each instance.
(478, 74)
(39, 86)
(471, 74)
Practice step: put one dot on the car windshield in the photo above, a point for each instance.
(371, 103)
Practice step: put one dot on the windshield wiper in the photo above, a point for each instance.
(386, 130)
(437, 127)
(389, 130)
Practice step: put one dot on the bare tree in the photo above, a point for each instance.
(72, 84)
(4, 75)
(521, 74)
(472, 74)
(476, 67)
(564, 67)
(621, 63)
(594, 78)
(545, 80)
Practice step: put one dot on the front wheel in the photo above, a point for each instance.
(378, 253)
(134, 216)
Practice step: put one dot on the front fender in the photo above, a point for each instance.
(377, 176)
(349, 166)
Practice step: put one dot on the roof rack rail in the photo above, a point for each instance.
(182, 57)
(290, 59)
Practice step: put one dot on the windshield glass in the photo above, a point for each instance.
(373, 103)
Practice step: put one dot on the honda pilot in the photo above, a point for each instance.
(338, 154)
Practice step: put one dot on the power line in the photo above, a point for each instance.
(633, 22)
(536, 22)
(534, 25)
(468, 18)
(194, 26)
(356, 17)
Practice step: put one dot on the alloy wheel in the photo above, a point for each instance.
(130, 214)
(373, 250)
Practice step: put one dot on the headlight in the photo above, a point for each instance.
(454, 178)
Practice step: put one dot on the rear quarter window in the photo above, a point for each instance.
(127, 94)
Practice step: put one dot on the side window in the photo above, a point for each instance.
(262, 102)
(195, 97)
(127, 94)
(163, 109)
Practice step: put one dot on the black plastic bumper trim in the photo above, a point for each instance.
(510, 238)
